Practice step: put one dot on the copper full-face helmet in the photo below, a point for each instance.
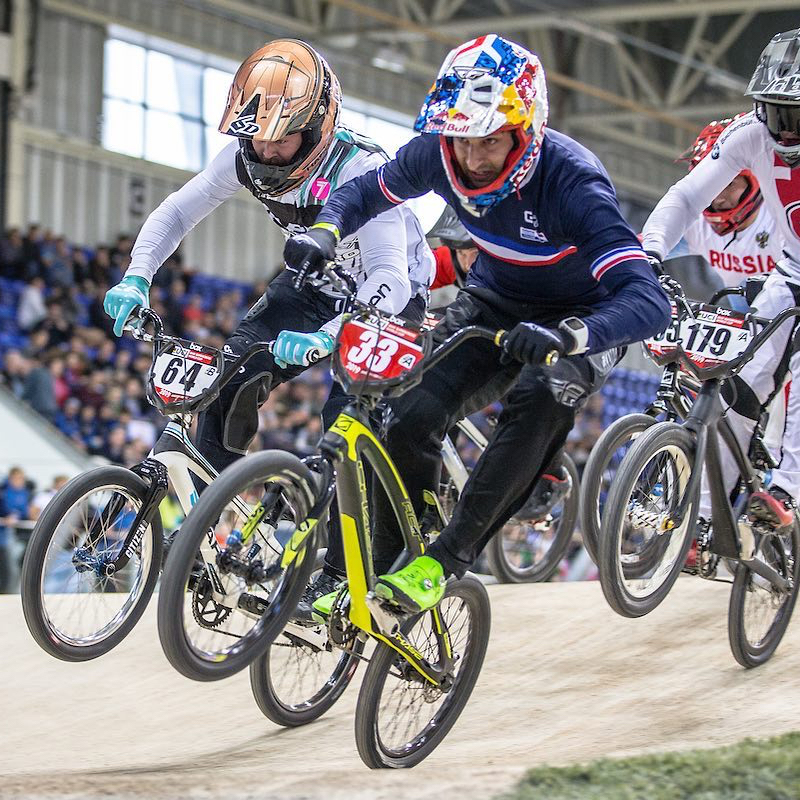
(283, 88)
(729, 220)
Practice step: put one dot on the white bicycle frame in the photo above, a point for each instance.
(452, 460)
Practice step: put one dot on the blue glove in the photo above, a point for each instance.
(293, 347)
(120, 300)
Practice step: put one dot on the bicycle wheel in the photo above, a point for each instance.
(530, 548)
(641, 554)
(302, 674)
(225, 594)
(400, 717)
(599, 472)
(758, 612)
(78, 605)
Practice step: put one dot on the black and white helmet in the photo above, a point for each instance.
(775, 89)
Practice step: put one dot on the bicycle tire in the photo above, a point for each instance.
(595, 472)
(283, 599)
(371, 748)
(657, 439)
(294, 714)
(746, 652)
(497, 554)
(39, 622)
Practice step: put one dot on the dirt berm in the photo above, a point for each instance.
(565, 680)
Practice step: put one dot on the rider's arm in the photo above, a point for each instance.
(382, 242)
(166, 227)
(637, 306)
(408, 175)
(685, 201)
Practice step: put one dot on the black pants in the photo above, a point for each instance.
(226, 429)
(539, 411)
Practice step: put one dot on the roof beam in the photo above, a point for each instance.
(634, 12)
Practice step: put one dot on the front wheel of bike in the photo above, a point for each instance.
(227, 590)
(400, 717)
(81, 595)
(530, 546)
(758, 612)
(643, 545)
(601, 467)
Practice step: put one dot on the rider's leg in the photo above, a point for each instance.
(467, 379)
(226, 429)
(538, 415)
(757, 383)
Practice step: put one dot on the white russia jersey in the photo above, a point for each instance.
(739, 255)
(745, 144)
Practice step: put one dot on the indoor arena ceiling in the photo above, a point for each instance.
(635, 80)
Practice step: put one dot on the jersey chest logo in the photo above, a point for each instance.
(762, 239)
(787, 182)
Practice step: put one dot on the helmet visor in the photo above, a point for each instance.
(779, 119)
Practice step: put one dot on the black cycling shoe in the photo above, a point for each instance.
(321, 585)
(549, 491)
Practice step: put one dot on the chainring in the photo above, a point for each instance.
(207, 612)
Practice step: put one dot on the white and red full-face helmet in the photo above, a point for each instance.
(775, 89)
(729, 220)
(487, 85)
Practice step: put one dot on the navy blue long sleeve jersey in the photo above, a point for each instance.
(561, 244)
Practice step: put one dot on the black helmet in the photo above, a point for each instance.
(450, 231)
(775, 89)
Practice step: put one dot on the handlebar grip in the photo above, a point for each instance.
(311, 357)
(551, 359)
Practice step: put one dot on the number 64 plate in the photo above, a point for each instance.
(713, 336)
(183, 371)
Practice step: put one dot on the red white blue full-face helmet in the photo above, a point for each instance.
(485, 86)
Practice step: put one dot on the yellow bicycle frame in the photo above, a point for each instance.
(354, 442)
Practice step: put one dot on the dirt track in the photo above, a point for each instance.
(565, 680)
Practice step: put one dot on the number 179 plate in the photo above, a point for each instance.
(713, 336)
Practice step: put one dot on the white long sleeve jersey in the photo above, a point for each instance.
(388, 256)
(735, 256)
(745, 144)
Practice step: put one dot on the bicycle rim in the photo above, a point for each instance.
(82, 604)
(647, 549)
(759, 612)
(411, 716)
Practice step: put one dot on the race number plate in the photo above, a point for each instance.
(184, 371)
(376, 348)
(712, 336)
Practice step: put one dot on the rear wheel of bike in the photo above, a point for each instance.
(226, 592)
(642, 550)
(302, 673)
(758, 612)
(601, 467)
(531, 545)
(400, 717)
(79, 599)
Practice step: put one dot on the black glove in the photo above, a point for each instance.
(531, 343)
(307, 253)
(654, 259)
